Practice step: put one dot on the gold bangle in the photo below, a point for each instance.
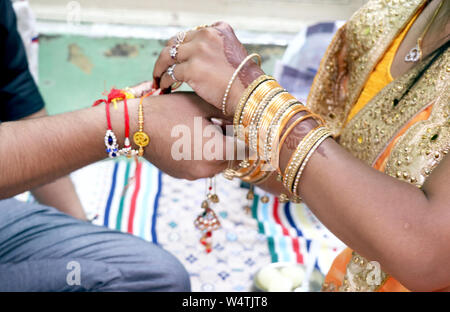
(278, 124)
(295, 160)
(141, 138)
(301, 154)
(255, 99)
(256, 175)
(291, 127)
(246, 95)
(317, 143)
(233, 77)
(253, 127)
(267, 116)
(265, 176)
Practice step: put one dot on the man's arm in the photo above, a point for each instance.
(60, 193)
(34, 152)
(38, 151)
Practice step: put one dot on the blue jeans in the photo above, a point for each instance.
(42, 249)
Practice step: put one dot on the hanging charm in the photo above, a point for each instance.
(250, 198)
(112, 148)
(207, 221)
(283, 198)
(229, 174)
(414, 55)
(127, 150)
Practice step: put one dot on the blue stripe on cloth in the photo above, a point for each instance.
(283, 243)
(155, 208)
(279, 240)
(287, 212)
(111, 195)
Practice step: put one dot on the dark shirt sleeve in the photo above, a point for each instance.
(19, 95)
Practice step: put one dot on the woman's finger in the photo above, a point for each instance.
(162, 63)
(178, 75)
(184, 53)
(141, 88)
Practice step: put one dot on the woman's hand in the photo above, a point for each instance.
(206, 60)
(179, 126)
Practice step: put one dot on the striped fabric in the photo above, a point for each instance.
(137, 198)
(290, 229)
(132, 201)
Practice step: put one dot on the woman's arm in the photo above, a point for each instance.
(402, 227)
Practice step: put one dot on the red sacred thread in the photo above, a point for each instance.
(137, 187)
(116, 94)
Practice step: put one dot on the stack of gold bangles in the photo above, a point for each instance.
(265, 116)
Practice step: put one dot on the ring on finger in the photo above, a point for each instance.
(200, 27)
(176, 85)
(181, 35)
(170, 72)
(174, 52)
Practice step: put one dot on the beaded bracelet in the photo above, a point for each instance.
(112, 148)
(297, 157)
(284, 114)
(319, 141)
(141, 138)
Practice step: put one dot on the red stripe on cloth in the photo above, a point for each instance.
(277, 217)
(295, 241)
(134, 196)
(296, 245)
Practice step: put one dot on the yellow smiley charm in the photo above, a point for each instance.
(141, 139)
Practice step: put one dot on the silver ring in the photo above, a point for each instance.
(180, 36)
(170, 72)
(173, 52)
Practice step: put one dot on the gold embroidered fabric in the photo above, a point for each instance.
(371, 130)
(354, 52)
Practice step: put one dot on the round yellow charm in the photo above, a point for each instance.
(141, 139)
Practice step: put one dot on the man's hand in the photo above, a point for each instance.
(179, 123)
(40, 150)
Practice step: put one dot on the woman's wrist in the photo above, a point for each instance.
(245, 77)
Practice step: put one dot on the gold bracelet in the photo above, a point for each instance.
(280, 120)
(246, 95)
(268, 115)
(317, 143)
(301, 154)
(233, 77)
(295, 160)
(257, 175)
(141, 138)
(253, 127)
(256, 98)
(291, 127)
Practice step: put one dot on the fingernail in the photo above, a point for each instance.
(156, 82)
(167, 91)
